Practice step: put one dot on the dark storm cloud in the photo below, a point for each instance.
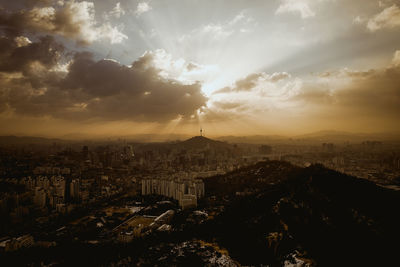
(121, 92)
(17, 57)
(102, 90)
(14, 23)
(70, 19)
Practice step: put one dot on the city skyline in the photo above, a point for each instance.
(118, 68)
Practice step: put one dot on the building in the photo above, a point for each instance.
(74, 189)
(185, 190)
(188, 201)
(24, 241)
(164, 218)
(40, 197)
(125, 236)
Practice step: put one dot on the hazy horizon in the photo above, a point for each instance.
(327, 135)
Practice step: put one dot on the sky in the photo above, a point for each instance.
(237, 67)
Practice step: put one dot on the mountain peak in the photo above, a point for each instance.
(201, 142)
(199, 138)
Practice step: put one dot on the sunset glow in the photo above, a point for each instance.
(127, 67)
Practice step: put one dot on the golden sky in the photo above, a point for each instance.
(236, 67)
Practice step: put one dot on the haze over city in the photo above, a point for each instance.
(110, 68)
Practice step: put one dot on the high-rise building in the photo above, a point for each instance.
(186, 190)
(40, 197)
(74, 189)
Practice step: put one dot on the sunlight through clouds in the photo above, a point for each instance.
(174, 64)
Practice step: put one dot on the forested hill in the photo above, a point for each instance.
(275, 212)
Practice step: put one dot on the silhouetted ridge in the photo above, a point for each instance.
(324, 216)
(11, 139)
(203, 142)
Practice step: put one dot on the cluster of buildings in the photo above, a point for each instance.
(53, 192)
(186, 190)
(47, 191)
(42, 191)
(160, 223)
(51, 170)
(57, 193)
(16, 243)
(370, 160)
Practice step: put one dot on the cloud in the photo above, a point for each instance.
(355, 100)
(117, 11)
(396, 58)
(248, 83)
(19, 53)
(253, 98)
(217, 31)
(22, 41)
(110, 33)
(142, 7)
(75, 20)
(179, 69)
(292, 6)
(33, 84)
(192, 66)
(221, 30)
(227, 105)
(388, 18)
(277, 76)
(372, 95)
(359, 20)
(254, 80)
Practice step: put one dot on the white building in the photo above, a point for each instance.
(186, 189)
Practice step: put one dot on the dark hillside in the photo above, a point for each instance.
(315, 213)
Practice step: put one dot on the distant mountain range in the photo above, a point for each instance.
(338, 136)
(321, 136)
(142, 138)
(9, 140)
